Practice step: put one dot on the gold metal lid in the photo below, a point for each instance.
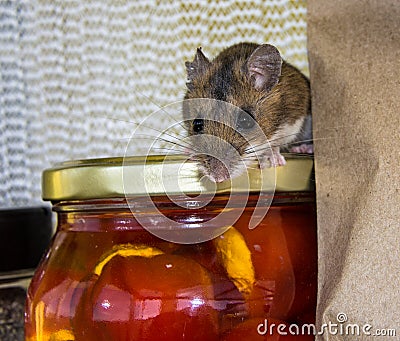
(160, 174)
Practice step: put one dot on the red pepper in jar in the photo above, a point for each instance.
(151, 297)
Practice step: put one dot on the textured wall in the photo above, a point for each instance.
(76, 75)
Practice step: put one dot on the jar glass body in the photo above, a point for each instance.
(107, 278)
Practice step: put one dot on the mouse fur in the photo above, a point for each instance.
(256, 80)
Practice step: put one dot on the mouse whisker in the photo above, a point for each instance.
(114, 119)
(300, 155)
(164, 149)
(283, 137)
(163, 132)
(163, 108)
(254, 149)
(141, 124)
(311, 140)
(184, 145)
(153, 102)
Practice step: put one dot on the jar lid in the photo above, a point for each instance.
(25, 234)
(162, 174)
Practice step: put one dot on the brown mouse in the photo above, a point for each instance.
(242, 107)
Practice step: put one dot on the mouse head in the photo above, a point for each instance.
(227, 105)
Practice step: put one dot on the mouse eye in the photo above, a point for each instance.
(198, 125)
(245, 120)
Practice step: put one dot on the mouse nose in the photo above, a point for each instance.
(218, 171)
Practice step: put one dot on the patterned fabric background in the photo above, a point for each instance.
(77, 75)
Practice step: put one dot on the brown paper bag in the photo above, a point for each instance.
(354, 54)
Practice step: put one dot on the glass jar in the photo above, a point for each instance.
(109, 275)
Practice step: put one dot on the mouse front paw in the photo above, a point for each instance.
(304, 148)
(273, 159)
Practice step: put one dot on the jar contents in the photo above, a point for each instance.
(107, 278)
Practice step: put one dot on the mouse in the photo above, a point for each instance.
(243, 108)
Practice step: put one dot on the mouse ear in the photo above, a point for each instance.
(197, 67)
(264, 67)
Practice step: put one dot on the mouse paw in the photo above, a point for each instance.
(273, 159)
(277, 159)
(304, 148)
